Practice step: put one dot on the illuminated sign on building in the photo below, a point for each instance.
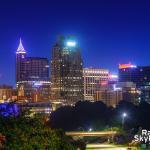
(124, 66)
(113, 76)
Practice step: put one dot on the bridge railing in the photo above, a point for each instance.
(98, 133)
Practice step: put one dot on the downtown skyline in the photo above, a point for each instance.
(108, 34)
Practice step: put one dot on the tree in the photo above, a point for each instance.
(24, 133)
(83, 115)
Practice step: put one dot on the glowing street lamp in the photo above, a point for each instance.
(90, 129)
(124, 115)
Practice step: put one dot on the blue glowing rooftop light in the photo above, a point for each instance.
(20, 48)
(71, 43)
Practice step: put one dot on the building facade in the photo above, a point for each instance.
(109, 96)
(6, 93)
(32, 76)
(93, 80)
(66, 71)
(140, 75)
(130, 92)
(99, 86)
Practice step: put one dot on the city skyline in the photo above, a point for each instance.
(108, 34)
(74, 74)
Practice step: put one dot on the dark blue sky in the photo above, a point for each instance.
(109, 31)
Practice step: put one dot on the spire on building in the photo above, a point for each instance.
(21, 48)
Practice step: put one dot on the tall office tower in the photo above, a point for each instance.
(94, 79)
(66, 71)
(140, 75)
(20, 62)
(32, 76)
(128, 73)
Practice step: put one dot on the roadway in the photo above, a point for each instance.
(104, 147)
(96, 133)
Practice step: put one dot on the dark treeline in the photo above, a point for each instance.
(97, 116)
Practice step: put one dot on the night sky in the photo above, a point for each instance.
(109, 31)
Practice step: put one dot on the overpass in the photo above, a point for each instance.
(105, 147)
(96, 133)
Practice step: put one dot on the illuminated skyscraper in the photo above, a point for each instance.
(32, 75)
(20, 62)
(93, 80)
(98, 86)
(140, 75)
(66, 71)
(128, 73)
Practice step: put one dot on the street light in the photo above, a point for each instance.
(124, 115)
(90, 129)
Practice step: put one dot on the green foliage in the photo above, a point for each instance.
(31, 134)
